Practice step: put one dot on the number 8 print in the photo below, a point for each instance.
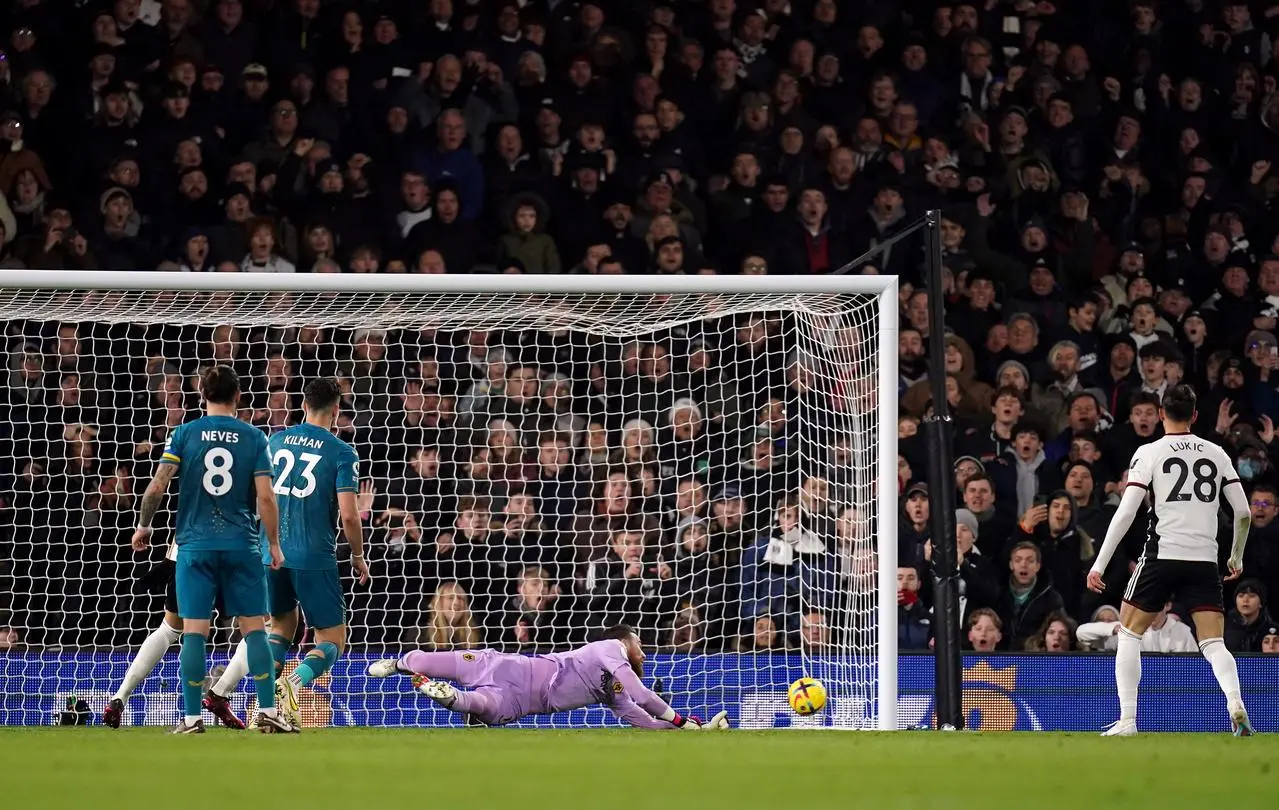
(217, 471)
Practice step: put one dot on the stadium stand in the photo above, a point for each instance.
(1108, 180)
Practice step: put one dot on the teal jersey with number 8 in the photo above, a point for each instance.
(311, 467)
(219, 459)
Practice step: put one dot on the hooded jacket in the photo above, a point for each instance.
(534, 250)
(1242, 636)
(974, 396)
(1066, 556)
(1017, 482)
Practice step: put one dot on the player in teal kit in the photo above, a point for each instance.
(225, 503)
(316, 480)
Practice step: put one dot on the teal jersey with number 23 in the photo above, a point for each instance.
(311, 467)
(218, 460)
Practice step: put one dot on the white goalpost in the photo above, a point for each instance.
(710, 459)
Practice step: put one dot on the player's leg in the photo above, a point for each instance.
(324, 605)
(432, 670)
(484, 703)
(320, 595)
(441, 666)
(283, 629)
(196, 581)
(1133, 624)
(1147, 592)
(1207, 612)
(1210, 627)
(283, 600)
(245, 593)
(329, 644)
(144, 662)
(218, 698)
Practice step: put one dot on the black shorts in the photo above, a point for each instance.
(170, 586)
(1154, 583)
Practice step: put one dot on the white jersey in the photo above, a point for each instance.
(1184, 476)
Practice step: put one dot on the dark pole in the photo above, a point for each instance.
(950, 712)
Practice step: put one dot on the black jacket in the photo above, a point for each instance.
(1066, 557)
(1242, 637)
(1020, 623)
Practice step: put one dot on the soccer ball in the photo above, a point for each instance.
(807, 696)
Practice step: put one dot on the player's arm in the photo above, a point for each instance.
(632, 715)
(1238, 500)
(1140, 476)
(268, 508)
(641, 707)
(1129, 505)
(151, 500)
(348, 485)
(269, 514)
(353, 528)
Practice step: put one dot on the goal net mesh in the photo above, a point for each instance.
(536, 467)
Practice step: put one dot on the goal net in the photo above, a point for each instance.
(709, 460)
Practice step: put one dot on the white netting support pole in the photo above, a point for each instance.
(886, 501)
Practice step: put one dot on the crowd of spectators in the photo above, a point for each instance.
(520, 489)
(1106, 174)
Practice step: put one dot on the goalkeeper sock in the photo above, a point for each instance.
(235, 671)
(1128, 672)
(193, 666)
(149, 654)
(1223, 666)
(262, 668)
(318, 662)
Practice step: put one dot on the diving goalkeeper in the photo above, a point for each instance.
(499, 688)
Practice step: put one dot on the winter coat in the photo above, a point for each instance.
(1022, 623)
(1244, 637)
(534, 250)
(914, 627)
(1066, 556)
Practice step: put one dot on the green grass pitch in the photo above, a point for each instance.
(473, 769)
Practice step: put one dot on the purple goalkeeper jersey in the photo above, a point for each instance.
(504, 687)
(597, 673)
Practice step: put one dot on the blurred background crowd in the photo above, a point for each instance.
(1105, 169)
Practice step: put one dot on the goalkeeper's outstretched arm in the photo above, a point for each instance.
(639, 706)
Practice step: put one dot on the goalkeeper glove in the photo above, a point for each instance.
(686, 723)
(719, 721)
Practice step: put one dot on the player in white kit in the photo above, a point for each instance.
(1185, 478)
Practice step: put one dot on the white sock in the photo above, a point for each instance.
(269, 712)
(190, 719)
(149, 655)
(1128, 672)
(235, 671)
(1223, 666)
